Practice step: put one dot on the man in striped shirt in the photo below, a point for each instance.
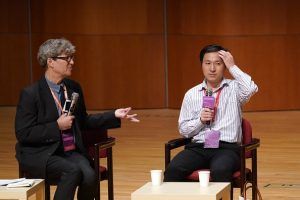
(220, 125)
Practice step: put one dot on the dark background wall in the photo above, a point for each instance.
(144, 53)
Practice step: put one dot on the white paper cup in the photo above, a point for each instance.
(156, 177)
(204, 178)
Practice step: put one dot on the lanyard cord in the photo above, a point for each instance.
(218, 98)
(58, 103)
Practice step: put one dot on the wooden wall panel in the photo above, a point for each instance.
(97, 16)
(293, 17)
(120, 55)
(14, 50)
(264, 44)
(14, 16)
(120, 47)
(117, 71)
(124, 71)
(14, 67)
(269, 63)
(233, 17)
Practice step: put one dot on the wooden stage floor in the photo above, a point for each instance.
(140, 148)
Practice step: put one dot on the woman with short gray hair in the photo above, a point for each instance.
(49, 137)
(53, 48)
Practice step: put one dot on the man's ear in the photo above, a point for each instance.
(49, 62)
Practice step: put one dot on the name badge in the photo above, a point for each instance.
(212, 139)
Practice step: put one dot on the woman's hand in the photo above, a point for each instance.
(123, 113)
(65, 122)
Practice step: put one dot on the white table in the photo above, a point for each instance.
(23, 193)
(183, 190)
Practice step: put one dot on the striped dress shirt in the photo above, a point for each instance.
(228, 116)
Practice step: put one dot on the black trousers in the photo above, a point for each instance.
(69, 171)
(222, 162)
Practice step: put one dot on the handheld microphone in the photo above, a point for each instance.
(208, 102)
(74, 100)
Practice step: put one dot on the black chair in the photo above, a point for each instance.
(248, 149)
(98, 145)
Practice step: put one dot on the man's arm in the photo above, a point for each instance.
(189, 122)
(246, 85)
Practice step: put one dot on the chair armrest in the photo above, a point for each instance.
(175, 143)
(105, 144)
(254, 144)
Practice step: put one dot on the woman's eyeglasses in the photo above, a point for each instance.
(65, 58)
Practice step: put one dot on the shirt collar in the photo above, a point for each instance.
(224, 82)
(54, 86)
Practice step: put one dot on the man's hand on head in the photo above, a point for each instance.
(227, 58)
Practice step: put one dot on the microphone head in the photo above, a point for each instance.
(74, 100)
(209, 92)
(75, 96)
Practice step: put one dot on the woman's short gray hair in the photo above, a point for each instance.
(52, 48)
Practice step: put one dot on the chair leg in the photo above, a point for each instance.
(97, 193)
(231, 192)
(254, 196)
(254, 188)
(110, 175)
(97, 173)
(254, 175)
(47, 191)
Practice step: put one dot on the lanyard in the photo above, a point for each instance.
(217, 99)
(58, 101)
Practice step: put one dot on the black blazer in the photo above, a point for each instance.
(37, 132)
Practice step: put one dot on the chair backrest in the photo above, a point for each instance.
(92, 136)
(247, 134)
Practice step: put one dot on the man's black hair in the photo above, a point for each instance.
(210, 48)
